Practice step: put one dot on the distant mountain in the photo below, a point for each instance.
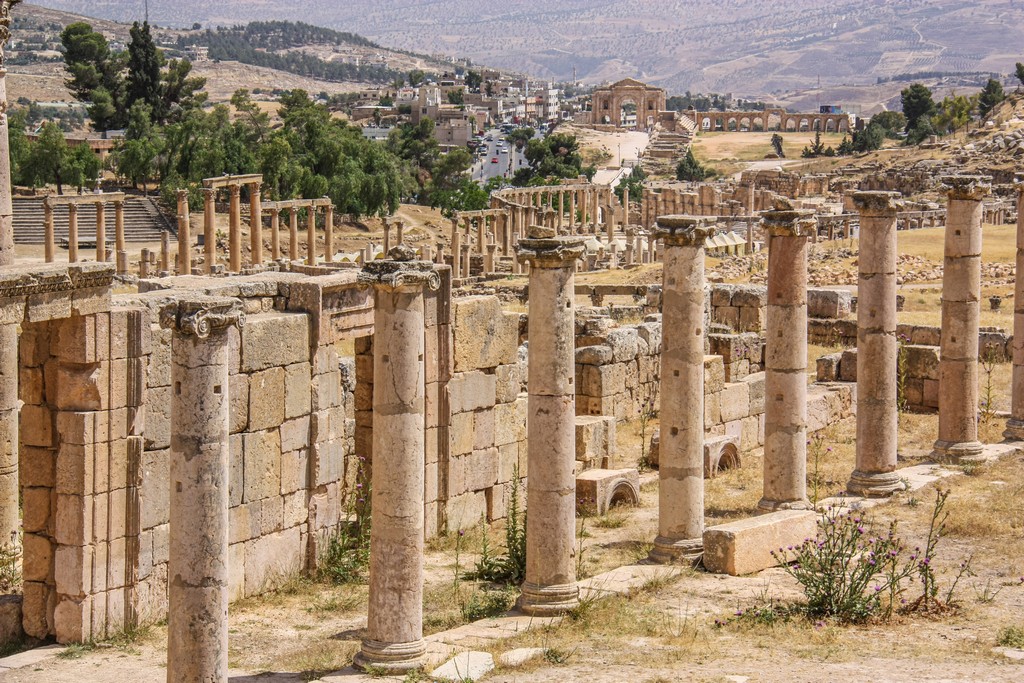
(740, 46)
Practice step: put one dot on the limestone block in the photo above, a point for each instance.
(510, 422)
(274, 339)
(465, 666)
(158, 418)
(37, 558)
(600, 489)
(262, 465)
(755, 382)
(508, 460)
(460, 434)
(714, 374)
(750, 296)
(828, 303)
(10, 619)
(83, 386)
(650, 333)
(721, 453)
(72, 619)
(728, 315)
(36, 426)
(848, 366)
(484, 335)
(37, 467)
(745, 546)
(600, 354)
(155, 489)
(751, 319)
(595, 440)
(266, 399)
(712, 409)
(73, 521)
(271, 515)
(603, 380)
(930, 393)
(623, 343)
(828, 367)
(466, 510)
(238, 399)
(735, 400)
(721, 295)
(295, 434)
(159, 369)
(271, 559)
(922, 362)
(481, 469)
(297, 390)
(483, 429)
(507, 383)
(473, 390)
(926, 336)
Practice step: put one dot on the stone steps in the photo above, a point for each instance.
(143, 222)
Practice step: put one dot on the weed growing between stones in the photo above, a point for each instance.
(901, 373)
(510, 568)
(345, 557)
(850, 574)
(1011, 636)
(10, 565)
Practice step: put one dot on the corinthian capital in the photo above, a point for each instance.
(198, 316)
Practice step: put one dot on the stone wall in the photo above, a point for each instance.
(843, 333)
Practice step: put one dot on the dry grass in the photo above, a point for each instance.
(728, 146)
(998, 243)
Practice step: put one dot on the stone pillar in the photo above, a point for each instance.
(386, 247)
(572, 212)
(561, 211)
(489, 258)
(275, 234)
(625, 207)
(6, 209)
(681, 472)
(456, 249)
(329, 234)
(550, 586)
(467, 262)
(72, 233)
(961, 301)
(394, 640)
(209, 229)
(144, 264)
(293, 234)
(255, 224)
(101, 232)
(10, 521)
(877, 348)
(48, 231)
(119, 244)
(165, 252)
(235, 230)
(197, 570)
(184, 235)
(399, 232)
(595, 218)
(311, 236)
(785, 418)
(481, 231)
(1015, 425)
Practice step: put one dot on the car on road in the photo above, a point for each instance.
(494, 160)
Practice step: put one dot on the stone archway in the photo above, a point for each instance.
(609, 100)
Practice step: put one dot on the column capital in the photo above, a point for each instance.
(785, 221)
(209, 192)
(967, 187)
(400, 269)
(235, 190)
(544, 249)
(877, 203)
(182, 194)
(683, 231)
(198, 316)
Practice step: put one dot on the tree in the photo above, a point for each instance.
(416, 77)
(18, 144)
(179, 89)
(892, 122)
(551, 158)
(83, 166)
(917, 104)
(1020, 72)
(95, 75)
(48, 158)
(474, 79)
(520, 136)
(635, 183)
(135, 156)
(777, 146)
(869, 139)
(690, 169)
(991, 95)
(953, 113)
(144, 64)
(457, 97)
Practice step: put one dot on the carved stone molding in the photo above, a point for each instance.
(200, 315)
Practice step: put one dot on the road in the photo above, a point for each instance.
(509, 161)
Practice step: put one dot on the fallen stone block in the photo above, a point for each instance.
(520, 656)
(720, 453)
(603, 488)
(465, 666)
(746, 546)
(595, 440)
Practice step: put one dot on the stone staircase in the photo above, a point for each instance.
(664, 152)
(685, 122)
(143, 221)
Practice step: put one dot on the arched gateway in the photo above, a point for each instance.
(609, 100)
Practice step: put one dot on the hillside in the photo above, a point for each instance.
(753, 47)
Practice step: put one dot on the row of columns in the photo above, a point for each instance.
(49, 239)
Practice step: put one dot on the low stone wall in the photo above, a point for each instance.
(617, 368)
(993, 342)
(920, 368)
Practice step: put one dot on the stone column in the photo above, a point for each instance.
(572, 212)
(550, 586)
(785, 418)
(48, 231)
(481, 232)
(961, 301)
(72, 233)
(329, 234)
(467, 261)
(6, 209)
(489, 258)
(101, 232)
(877, 348)
(399, 232)
(235, 230)
(184, 235)
(561, 211)
(456, 249)
(625, 207)
(165, 252)
(275, 234)
(386, 247)
(10, 521)
(311, 236)
(681, 472)
(595, 217)
(197, 570)
(293, 234)
(1015, 425)
(144, 264)
(255, 224)
(119, 244)
(394, 640)
(209, 229)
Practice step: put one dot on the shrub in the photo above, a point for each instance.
(345, 557)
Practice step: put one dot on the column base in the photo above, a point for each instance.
(687, 551)
(765, 505)
(874, 484)
(1014, 430)
(548, 601)
(392, 658)
(956, 450)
